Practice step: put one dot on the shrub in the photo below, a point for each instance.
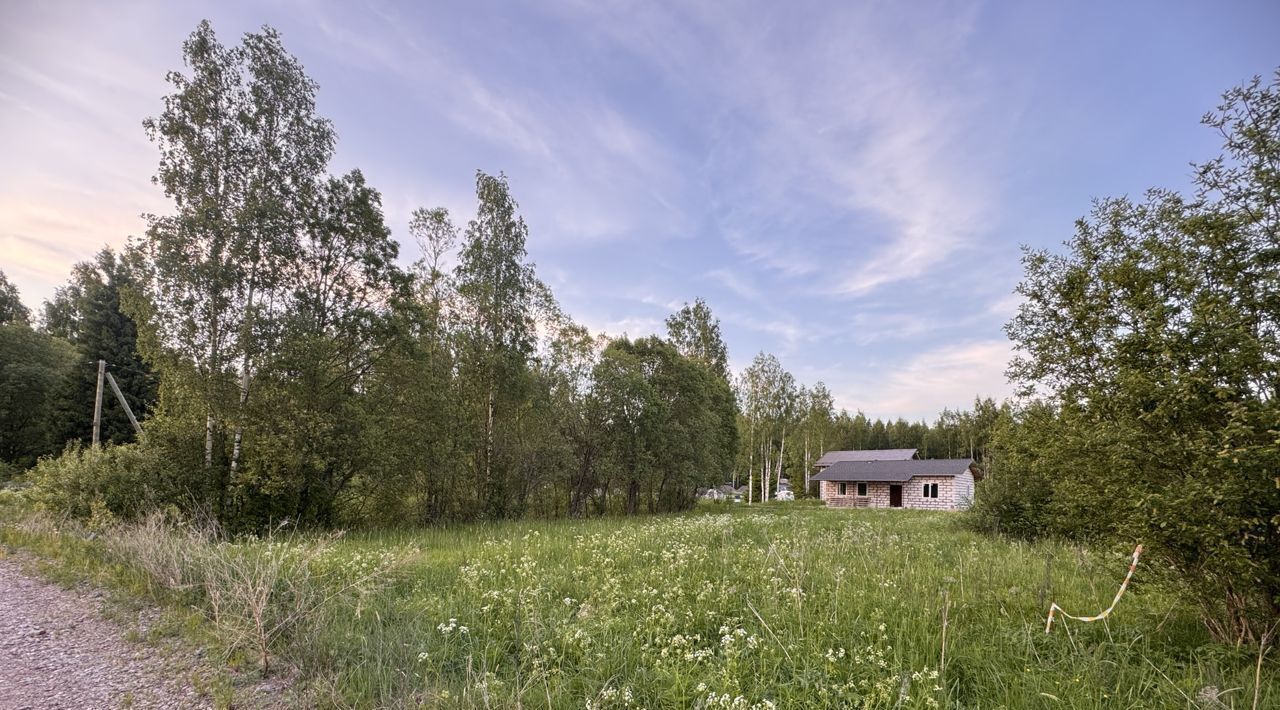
(126, 481)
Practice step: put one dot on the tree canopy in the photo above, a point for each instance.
(1155, 342)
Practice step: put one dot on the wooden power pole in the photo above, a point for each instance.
(97, 402)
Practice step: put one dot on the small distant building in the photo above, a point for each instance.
(930, 484)
(725, 492)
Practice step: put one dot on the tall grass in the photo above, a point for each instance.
(256, 592)
(783, 606)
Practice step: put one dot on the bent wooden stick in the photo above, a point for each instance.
(1053, 607)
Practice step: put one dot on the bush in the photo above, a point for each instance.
(126, 481)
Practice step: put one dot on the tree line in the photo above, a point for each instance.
(48, 376)
(289, 369)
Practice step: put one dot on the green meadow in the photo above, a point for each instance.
(787, 605)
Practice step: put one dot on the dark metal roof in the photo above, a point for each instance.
(865, 455)
(891, 471)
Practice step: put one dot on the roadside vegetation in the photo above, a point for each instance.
(774, 606)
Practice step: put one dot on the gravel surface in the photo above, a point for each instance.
(57, 651)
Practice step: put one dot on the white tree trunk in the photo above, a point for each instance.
(208, 440)
(488, 437)
(781, 451)
(764, 475)
(244, 398)
(246, 334)
(807, 465)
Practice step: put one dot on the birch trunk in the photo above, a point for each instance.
(239, 434)
(764, 474)
(246, 336)
(488, 444)
(807, 466)
(781, 451)
(208, 440)
(764, 468)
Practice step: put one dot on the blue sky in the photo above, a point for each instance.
(846, 183)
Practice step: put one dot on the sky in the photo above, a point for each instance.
(847, 184)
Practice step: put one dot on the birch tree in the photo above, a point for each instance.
(769, 401)
(12, 309)
(818, 412)
(497, 289)
(240, 145)
(696, 334)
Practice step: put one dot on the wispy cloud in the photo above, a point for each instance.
(587, 172)
(77, 162)
(856, 112)
(843, 182)
(923, 385)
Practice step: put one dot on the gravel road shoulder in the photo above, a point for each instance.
(57, 650)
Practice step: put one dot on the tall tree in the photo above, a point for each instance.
(572, 357)
(241, 148)
(769, 398)
(1157, 338)
(33, 367)
(662, 413)
(337, 324)
(497, 291)
(818, 414)
(696, 334)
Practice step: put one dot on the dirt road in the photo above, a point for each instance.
(58, 651)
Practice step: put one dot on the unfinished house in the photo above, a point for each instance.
(930, 484)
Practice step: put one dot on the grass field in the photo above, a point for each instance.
(783, 606)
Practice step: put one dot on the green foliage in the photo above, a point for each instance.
(303, 376)
(12, 309)
(126, 481)
(1018, 504)
(243, 158)
(695, 332)
(668, 422)
(1156, 340)
(33, 370)
(87, 313)
(496, 290)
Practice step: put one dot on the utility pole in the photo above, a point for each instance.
(97, 403)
